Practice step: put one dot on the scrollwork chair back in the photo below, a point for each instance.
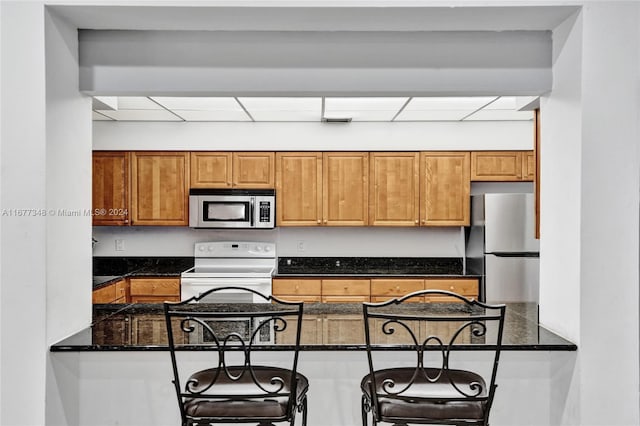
(234, 386)
(428, 387)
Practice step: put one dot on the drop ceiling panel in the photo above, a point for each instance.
(220, 115)
(432, 115)
(283, 109)
(136, 102)
(500, 115)
(199, 103)
(363, 109)
(141, 115)
(448, 103)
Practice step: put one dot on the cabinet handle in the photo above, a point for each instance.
(319, 221)
(397, 287)
(325, 221)
(451, 288)
(416, 221)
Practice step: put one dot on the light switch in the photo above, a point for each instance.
(119, 245)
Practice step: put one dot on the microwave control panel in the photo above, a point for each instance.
(265, 211)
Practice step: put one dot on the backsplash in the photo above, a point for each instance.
(290, 241)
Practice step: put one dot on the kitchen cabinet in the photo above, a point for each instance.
(310, 332)
(116, 292)
(152, 330)
(297, 290)
(316, 189)
(110, 188)
(445, 187)
(338, 290)
(160, 188)
(252, 170)
(113, 329)
(502, 166)
(154, 289)
(345, 329)
(298, 188)
(383, 289)
(345, 188)
(394, 189)
(467, 287)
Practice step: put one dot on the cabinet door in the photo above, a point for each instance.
(467, 287)
(394, 189)
(496, 166)
(253, 169)
(110, 188)
(211, 169)
(152, 330)
(106, 294)
(528, 165)
(160, 188)
(345, 188)
(343, 330)
(112, 329)
(298, 188)
(310, 332)
(444, 188)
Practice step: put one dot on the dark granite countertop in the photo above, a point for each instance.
(378, 266)
(110, 269)
(120, 328)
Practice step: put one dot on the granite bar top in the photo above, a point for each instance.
(349, 266)
(110, 269)
(135, 327)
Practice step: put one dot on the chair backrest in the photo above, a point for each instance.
(221, 343)
(432, 335)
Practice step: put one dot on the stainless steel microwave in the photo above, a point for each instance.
(232, 208)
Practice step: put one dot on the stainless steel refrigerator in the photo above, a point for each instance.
(501, 247)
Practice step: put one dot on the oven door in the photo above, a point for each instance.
(243, 327)
(194, 286)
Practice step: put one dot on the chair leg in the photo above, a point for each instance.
(304, 412)
(366, 408)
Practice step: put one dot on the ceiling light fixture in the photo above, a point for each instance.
(337, 120)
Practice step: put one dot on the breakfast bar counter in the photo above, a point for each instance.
(326, 327)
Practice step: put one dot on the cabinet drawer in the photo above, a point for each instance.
(464, 287)
(296, 286)
(346, 288)
(386, 287)
(155, 287)
(154, 299)
(345, 299)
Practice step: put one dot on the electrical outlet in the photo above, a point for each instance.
(301, 245)
(119, 245)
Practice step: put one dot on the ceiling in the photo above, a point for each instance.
(312, 109)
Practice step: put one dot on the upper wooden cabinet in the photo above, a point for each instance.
(394, 188)
(232, 170)
(110, 188)
(298, 188)
(345, 188)
(502, 166)
(445, 188)
(160, 188)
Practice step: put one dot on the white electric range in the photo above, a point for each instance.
(246, 264)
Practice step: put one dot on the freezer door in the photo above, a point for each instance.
(511, 279)
(510, 223)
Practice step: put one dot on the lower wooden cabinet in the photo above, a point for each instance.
(154, 289)
(113, 293)
(336, 290)
(358, 290)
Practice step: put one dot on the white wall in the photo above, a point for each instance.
(68, 185)
(323, 62)
(23, 345)
(136, 390)
(312, 136)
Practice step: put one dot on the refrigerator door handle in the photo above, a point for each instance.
(514, 254)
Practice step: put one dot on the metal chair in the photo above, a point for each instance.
(234, 387)
(420, 385)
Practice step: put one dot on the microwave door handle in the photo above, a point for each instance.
(251, 210)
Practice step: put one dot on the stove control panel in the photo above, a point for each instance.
(235, 249)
